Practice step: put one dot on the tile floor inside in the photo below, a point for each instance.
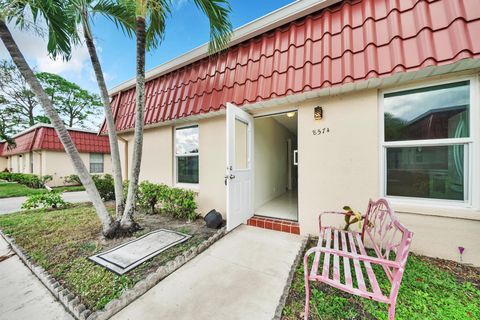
(284, 206)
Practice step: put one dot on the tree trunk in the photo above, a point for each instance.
(127, 219)
(108, 227)
(112, 133)
(31, 120)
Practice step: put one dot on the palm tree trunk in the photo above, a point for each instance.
(112, 133)
(127, 219)
(108, 227)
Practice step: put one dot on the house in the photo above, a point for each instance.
(322, 104)
(38, 150)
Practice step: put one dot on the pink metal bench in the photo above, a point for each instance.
(384, 233)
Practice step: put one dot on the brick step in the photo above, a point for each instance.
(274, 224)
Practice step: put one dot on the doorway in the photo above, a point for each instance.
(276, 166)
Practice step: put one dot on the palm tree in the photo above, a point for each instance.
(150, 18)
(124, 17)
(60, 30)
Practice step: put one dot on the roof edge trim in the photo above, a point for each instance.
(46, 125)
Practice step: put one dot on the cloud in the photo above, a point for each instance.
(410, 106)
(78, 69)
(179, 4)
(34, 48)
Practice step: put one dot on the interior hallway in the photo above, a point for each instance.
(284, 206)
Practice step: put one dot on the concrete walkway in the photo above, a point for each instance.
(22, 295)
(9, 205)
(242, 276)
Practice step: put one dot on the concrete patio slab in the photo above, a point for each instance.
(22, 295)
(242, 276)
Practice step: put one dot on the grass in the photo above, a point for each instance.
(12, 189)
(60, 241)
(428, 291)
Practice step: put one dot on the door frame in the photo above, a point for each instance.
(271, 113)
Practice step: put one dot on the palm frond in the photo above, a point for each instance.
(60, 28)
(157, 13)
(122, 13)
(217, 12)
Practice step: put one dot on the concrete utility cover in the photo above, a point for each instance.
(128, 255)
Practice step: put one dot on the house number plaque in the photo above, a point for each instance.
(317, 132)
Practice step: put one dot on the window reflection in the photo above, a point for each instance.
(186, 140)
(428, 113)
(186, 155)
(426, 172)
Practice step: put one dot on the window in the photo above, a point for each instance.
(426, 142)
(96, 162)
(186, 154)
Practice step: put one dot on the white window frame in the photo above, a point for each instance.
(185, 185)
(90, 163)
(471, 155)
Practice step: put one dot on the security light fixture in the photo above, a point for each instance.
(318, 113)
(291, 114)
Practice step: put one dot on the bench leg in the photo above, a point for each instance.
(391, 311)
(307, 288)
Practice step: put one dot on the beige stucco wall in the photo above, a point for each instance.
(271, 163)
(342, 167)
(3, 163)
(158, 161)
(58, 165)
(19, 163)
(212, 191)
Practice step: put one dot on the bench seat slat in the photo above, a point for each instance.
(316, 259)
(368, 268)
(346, 262)
(336, 264)
(356, 264)
(352, 290)
(326, 257)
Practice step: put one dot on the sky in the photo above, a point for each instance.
(187, 28)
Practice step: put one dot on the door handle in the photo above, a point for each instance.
(231, 176)
(295, 157)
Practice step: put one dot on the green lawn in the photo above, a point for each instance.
(61, 240)
(8, 190)
(431, 289)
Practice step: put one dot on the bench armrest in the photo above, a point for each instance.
(330, 212)
(365, 258)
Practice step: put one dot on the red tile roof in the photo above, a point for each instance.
(348, 42)
(45, 138)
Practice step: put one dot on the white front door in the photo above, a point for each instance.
(239, 173)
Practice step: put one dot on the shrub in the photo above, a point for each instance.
(45, 200)
(30, 180)
(176, 202)
(4, 175)
(105, 186)
(72, 179)
(179, 203)
(148, 196)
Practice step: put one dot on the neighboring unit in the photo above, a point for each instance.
(38, 150)
(322, 104)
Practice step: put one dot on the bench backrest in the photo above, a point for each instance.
(386, 234)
